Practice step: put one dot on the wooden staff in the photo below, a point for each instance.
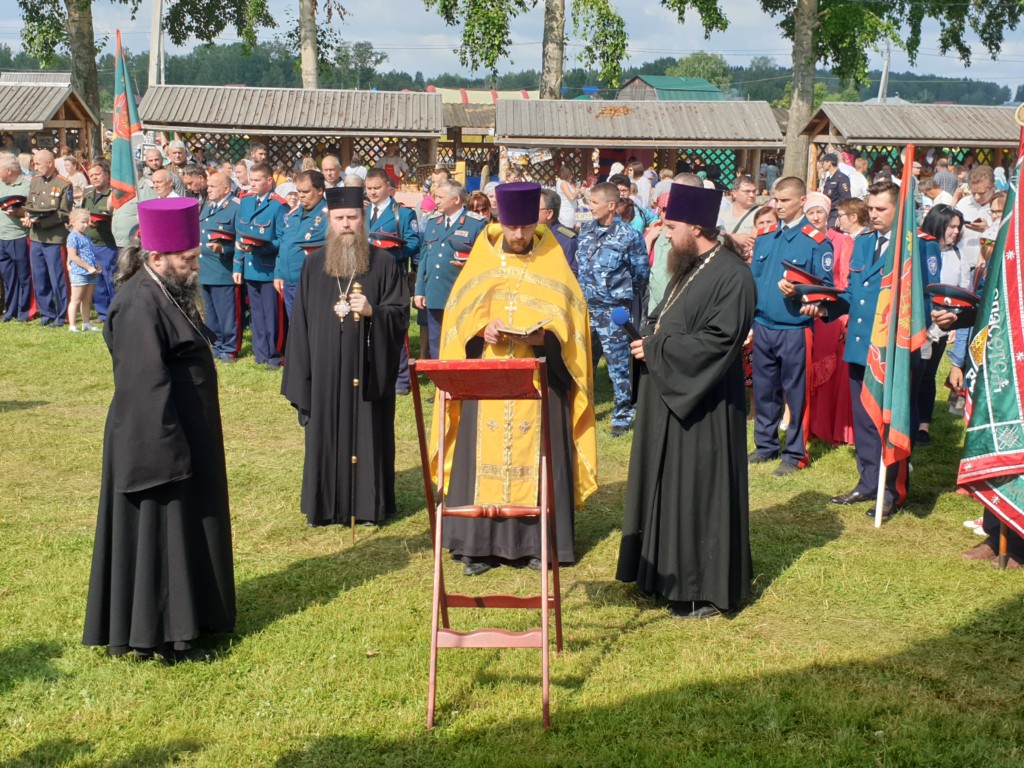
(356, 288)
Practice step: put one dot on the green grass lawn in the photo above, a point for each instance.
(861, 647)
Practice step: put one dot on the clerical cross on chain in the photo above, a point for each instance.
(511, 307)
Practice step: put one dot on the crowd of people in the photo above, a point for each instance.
(323, 263)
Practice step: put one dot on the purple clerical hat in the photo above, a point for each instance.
(518, 203)
(693, 205)
(169, 225)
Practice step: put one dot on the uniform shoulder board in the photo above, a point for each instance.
(766, 230)
(278, 198)
(235, 199)
(814, 234)
(924, 235)
(566, 231)
(475, 215)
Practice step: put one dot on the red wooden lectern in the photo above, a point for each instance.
(511, 379)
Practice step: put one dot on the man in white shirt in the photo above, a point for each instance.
(858, 182)
(976, 211)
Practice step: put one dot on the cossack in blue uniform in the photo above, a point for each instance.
(781, 339)
(398, 220)
(221, 297)
(440, 246)
(304, 231)
(862, 297)
(262, 222)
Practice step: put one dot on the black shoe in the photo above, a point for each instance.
(227, 359)
(697, 609)
(786, 468)
(618, 430)
(273, 366)
(533, 563)
(888, 510)
(853, 497)
(476, 568)
(923, 438)
(402, 392)
(759, 458)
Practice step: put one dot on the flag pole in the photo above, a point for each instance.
(883, 471)
(1004, 554)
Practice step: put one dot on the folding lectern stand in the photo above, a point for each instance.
(511, 379)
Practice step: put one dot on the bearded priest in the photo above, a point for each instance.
(328, 350)
(685, 535)
(517, 277)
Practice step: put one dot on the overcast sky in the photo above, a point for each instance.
(416, 40)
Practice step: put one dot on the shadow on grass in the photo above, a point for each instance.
(319, 580)
(780, 535)
(65, 751)
(21, 405)
(936, 703)
(31, 661)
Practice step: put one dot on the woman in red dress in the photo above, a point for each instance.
(831, 416)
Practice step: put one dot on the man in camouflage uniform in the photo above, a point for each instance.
(613, 272)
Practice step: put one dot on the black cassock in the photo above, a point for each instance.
(323, 356)
(685, 534)
(162, 567)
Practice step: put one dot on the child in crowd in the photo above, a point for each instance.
(82, 271)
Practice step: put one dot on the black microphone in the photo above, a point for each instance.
(620, 316)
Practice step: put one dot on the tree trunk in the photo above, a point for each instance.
(805, 21)
(84, 78)
(554, 49)
(307, 43)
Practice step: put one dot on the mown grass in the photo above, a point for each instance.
(862, 646)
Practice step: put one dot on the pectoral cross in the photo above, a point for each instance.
(511, 308)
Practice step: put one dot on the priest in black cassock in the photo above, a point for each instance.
(348, 323)
(162, 570)
(685, 535)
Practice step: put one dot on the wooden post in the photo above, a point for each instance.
(1004, 555)
(346, 151)
(755, 169)
(812, 166)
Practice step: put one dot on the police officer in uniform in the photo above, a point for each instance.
(386, 216)
(259, 227)
(305, 230)
(782, 331)
(222, 301)
(46, 215)
(836, 187)
(96, 199)
(613, 272)
(445, 244)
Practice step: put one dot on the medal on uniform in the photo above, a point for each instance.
(262, 230)
(316, 221)
(308, 235)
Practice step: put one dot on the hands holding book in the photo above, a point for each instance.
(497, 331)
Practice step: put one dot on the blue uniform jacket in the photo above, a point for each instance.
(800, 244)
(266, 221)
(438, 247)
(569, 241)
(300, 228)
(862, 296)
(613, 264)
(406, 227)
(216, 268)
(930, 254)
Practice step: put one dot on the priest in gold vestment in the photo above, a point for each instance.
(517, 277)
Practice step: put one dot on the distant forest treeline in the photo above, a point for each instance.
(271, 64)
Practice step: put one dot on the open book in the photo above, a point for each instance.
(510, 330)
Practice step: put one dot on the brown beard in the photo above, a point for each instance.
(682, 260)
(348, 254)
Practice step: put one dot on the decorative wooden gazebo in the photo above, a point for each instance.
(293, 122)
(731, 134)
(44, 111)
(881, 131)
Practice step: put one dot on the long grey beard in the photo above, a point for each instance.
(348, 254)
